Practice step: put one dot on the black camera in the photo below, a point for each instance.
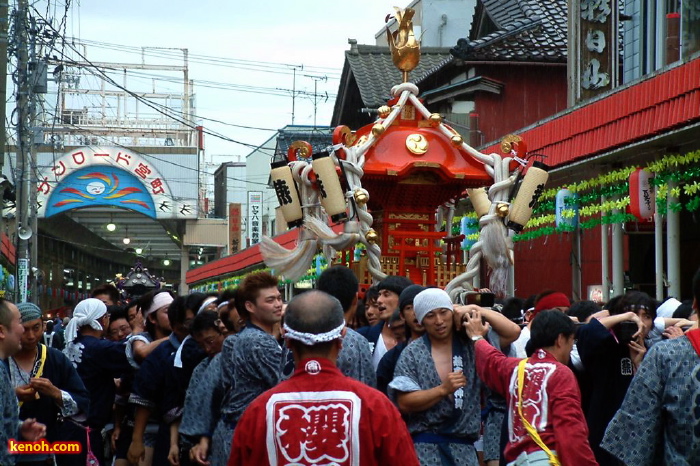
(624, 331)
(481, 299)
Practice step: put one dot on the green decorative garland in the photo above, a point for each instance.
(684, 170)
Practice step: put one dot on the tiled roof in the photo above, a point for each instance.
(320, 138)
(529, 30)
(376, 74)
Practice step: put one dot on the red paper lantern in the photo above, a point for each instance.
(642, 196)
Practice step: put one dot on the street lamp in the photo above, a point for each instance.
(111, 226)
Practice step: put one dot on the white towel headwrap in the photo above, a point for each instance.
(86, 313)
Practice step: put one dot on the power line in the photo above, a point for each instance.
(252, 65)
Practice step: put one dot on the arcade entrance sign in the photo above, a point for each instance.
(108, 177)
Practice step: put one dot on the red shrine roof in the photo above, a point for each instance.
(413, 143)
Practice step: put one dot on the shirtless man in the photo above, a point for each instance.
(435, 382)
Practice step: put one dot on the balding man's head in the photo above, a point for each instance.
(314, 312)
(314, 325)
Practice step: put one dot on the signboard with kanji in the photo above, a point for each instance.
(112, 177)
(598, 47)
(254, 217)
(234, 227)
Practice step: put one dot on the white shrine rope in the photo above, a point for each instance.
(311, 339)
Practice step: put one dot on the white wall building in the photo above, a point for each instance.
(437, 23)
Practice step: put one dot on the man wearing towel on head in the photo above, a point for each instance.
(436, 386)
(98, 362)
(48, 388)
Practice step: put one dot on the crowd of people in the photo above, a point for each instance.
(396, 375)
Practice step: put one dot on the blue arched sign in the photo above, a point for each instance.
(112, 177)
(108, 186)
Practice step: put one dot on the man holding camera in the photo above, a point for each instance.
(611, 350)
(659, 420)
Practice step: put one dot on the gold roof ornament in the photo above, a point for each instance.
(405, 48)
(507, 142)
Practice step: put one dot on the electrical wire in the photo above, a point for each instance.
(252, 65)
(166, 111)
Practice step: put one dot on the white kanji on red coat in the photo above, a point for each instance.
(313, 428)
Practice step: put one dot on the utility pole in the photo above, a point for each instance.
(294, 86)
(37, 85)
(23, 150)
(31, 78)
(316, 80)
(4, 21)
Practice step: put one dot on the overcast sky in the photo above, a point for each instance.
(300, 32)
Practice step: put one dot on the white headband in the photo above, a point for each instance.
(311, 339)
(159, 300)
(222, 305)
(206, 302)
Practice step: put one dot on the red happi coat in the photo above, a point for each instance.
(319, 416)
(551, 403)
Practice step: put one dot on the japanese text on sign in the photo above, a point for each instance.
(254, 215)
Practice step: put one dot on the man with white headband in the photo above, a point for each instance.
(435, 383)
(98, 362)
(154, 307)
(320, 415)
(152, 327)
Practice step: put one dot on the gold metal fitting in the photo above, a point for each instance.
(378, 129)
(435, 119)
(457, 140)
(384, 111)
(502, 209)
(361, 196)
(371, 236)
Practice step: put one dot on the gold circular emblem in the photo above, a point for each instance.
(301, 148)
(417, 144)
